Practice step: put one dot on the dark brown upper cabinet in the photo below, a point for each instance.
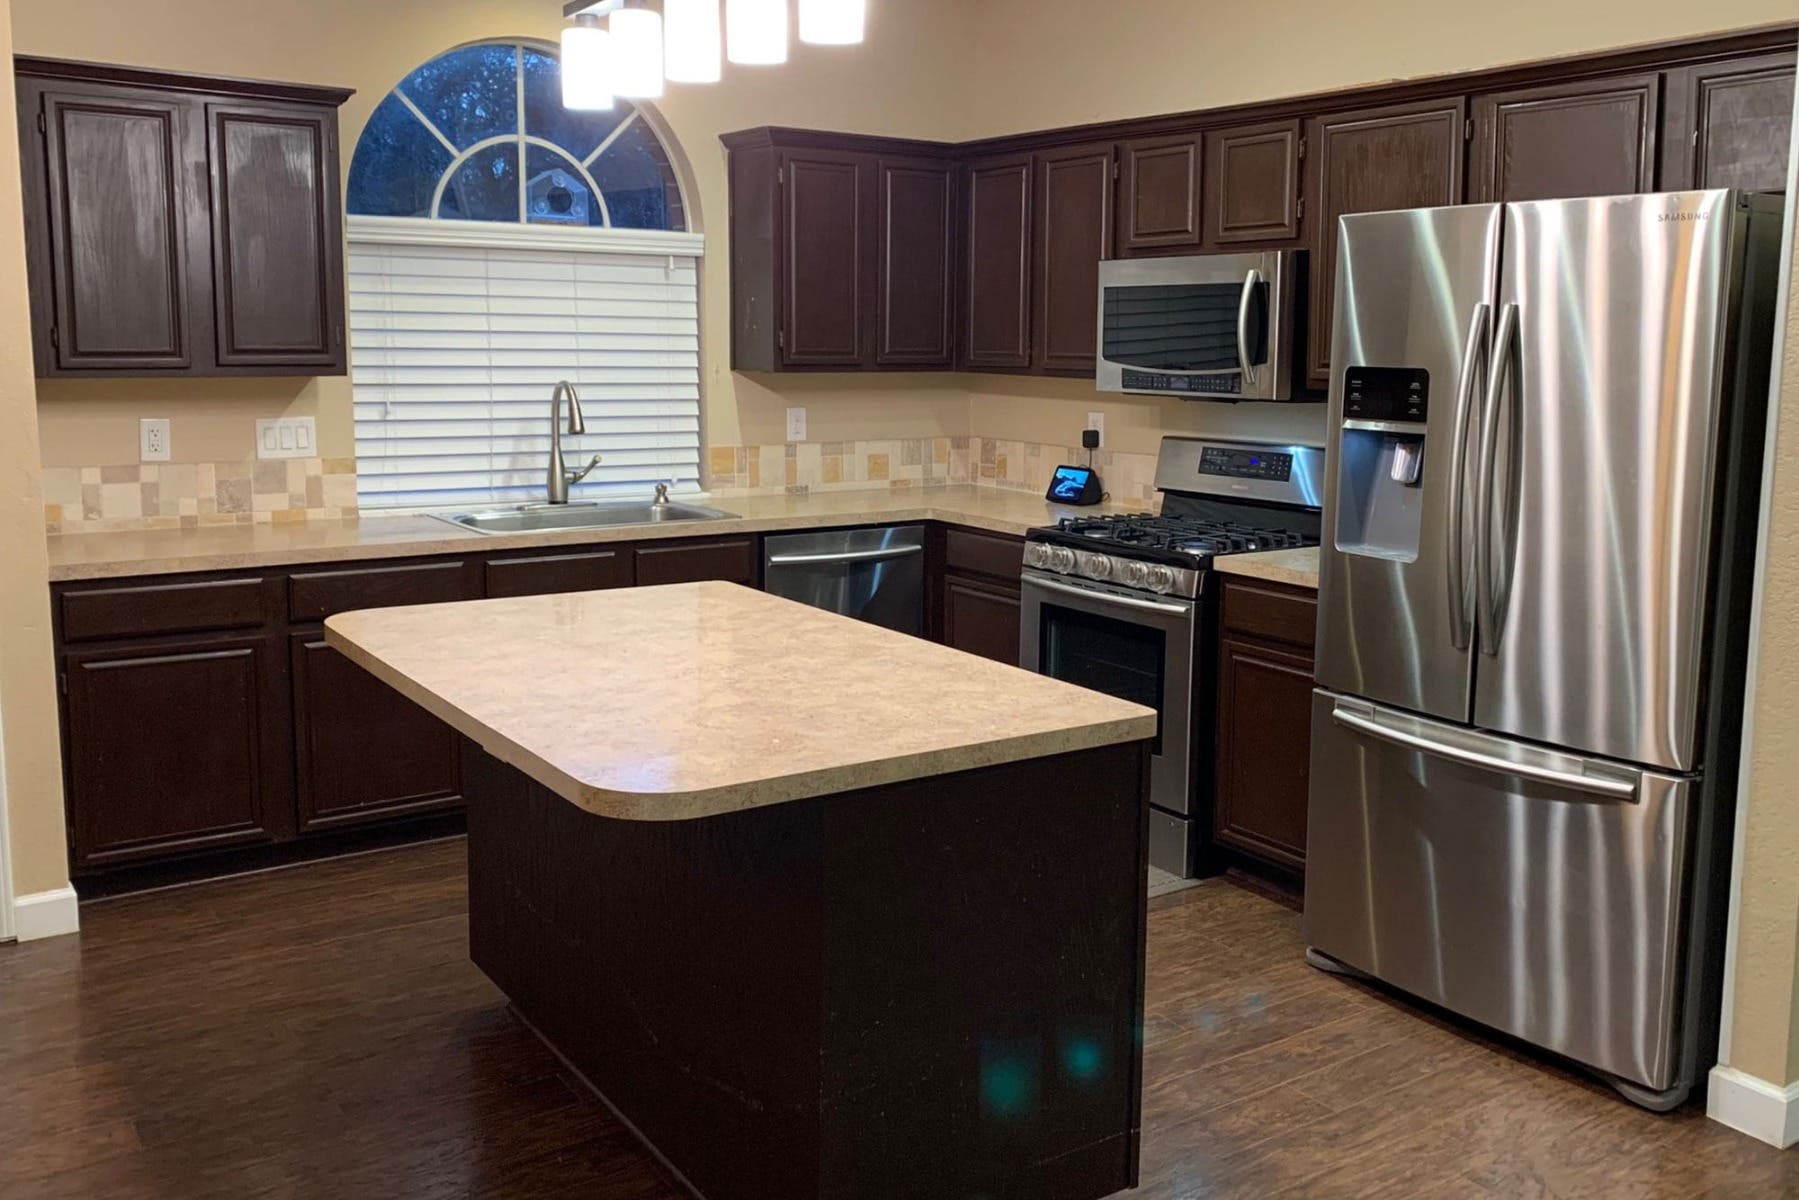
(1252, 184)
(276, 217)
(916, 272)
(1158, 195)
(1728, 124)
(1565, 140)
(180, 224)
(997, 311)
(825, 228)
(1401, 156)
(1073, 235)
(842, 252)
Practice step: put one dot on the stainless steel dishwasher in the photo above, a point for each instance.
(874, 575)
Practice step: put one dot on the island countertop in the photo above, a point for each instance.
(692, 700)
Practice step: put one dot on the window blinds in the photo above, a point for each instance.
(458, 338)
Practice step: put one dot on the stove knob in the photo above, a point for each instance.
(1061, 559)
(1161, 579)
(1096, 566)
(1036, 555)
(1136, 574)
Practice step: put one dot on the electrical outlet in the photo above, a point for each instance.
(286, 437)
(1096, 421)
(796, 424)
(153, 439)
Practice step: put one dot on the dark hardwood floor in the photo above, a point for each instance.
(319, 1032)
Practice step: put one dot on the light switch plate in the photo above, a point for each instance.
(153, 439)
(1096, 421)
(286, 437)
(796, 424)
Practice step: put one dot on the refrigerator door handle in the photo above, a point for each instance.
(1251, 282)
(1610, 787)
(1486, 589)
(1467, 388)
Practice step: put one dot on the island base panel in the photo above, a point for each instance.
(929, 989)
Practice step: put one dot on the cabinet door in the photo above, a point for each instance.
(1264, 756)
(1729, 124)
(981, 618)
(824, 301)
(1158, 195)
(1074, 232)
(170, 750)
(1403, 156)
(732, 561)
(122, 213)
(916, 270)
(998, 308)
(364, 751)
(275, 218)
(1565, 140)
(543, 575)
(1252, 184)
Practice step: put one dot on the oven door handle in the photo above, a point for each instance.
(1108, 598)
(1251, 282)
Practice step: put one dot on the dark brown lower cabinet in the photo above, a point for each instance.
(170, 750)
(981, 617)
(1264, 722)
(362, 750)
(732, 560)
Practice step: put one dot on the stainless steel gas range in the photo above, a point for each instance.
(1128, 605)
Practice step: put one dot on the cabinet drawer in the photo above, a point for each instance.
(140, 611)
(1264, 611)
(732, 561)
(983, 554)
(319, 594)
(543, 575)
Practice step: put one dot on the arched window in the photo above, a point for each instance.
(480, 134)
(500, 244)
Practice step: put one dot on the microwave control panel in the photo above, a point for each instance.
(1226, 383)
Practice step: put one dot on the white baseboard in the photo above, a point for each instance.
(46, 914)
(1754, 1106)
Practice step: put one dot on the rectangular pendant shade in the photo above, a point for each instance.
(637, 53)
(695, 41)
(833, 22)
(756, 31)
(586, 67)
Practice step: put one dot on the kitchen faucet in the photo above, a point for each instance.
(561, 478)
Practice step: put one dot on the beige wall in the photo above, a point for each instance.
(1764, 1024)
(876, 88)
(32, 758)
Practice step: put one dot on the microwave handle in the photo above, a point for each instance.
(1251, 282)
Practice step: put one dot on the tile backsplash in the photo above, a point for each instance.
(802, 467)
(189, 495)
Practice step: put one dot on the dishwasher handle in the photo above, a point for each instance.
(846, 556)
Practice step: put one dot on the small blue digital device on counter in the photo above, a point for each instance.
(1075, 485)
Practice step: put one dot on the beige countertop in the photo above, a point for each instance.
(1299, 568)
(673, 703)
(232, 547)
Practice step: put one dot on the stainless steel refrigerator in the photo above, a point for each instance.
(1546, 423)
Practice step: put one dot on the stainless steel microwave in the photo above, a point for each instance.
(1202, 327)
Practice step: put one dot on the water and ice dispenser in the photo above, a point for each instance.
(1381, 449)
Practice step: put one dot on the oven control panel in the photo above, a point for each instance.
(1237, 463)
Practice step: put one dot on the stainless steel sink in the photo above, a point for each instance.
(536, 518)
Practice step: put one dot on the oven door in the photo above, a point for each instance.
(1126, 644)
(1207, 326)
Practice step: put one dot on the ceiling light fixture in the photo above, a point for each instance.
(756, 32)
(833, 22)
(694, 39)
(637, 51)
(586, 65)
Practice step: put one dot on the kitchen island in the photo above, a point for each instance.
(820, 910)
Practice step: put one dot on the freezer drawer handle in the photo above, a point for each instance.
(848, 556)
(1613, 789)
